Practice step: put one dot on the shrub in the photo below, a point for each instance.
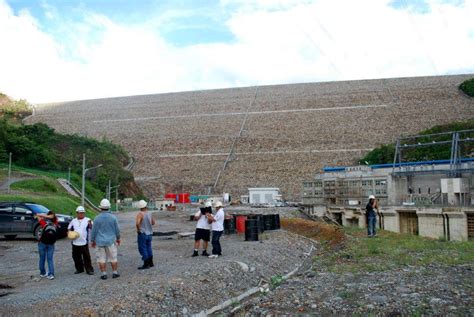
(468, 87)
(385, 153)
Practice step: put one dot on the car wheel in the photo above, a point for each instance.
(10, 236)
(36, 233)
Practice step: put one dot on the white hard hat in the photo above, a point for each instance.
(80, 209)
(104, 204)
(218, 204)
(208, 204)
(371, 197)
(142, 204)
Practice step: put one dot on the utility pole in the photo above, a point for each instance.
(108, 191)
(84, 171)
(83, 178)
(111, 189)
(116, 200)
(9, 170)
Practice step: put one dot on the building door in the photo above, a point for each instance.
(408, 223)
(470, 226)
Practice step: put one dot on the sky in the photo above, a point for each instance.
(59, 50)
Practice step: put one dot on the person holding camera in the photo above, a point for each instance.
(371, 216)
(203, 229)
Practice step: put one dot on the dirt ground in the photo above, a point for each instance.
(178, 284)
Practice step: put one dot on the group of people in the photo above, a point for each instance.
(207, 222)
(104, 236)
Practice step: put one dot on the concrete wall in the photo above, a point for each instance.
(390, 220)
(457, 226)
(432, 222)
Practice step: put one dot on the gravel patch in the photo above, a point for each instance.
(178, 284)
(181, 285)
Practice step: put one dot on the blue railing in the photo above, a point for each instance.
(389, 165)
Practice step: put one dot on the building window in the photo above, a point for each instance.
(367, 183)
(380, 182)
(329, 183)
(318, 184)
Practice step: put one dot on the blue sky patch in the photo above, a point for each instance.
(418, 6)
(197, 30)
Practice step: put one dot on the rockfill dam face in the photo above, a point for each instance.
(227, 140)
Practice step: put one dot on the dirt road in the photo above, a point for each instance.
(178, 284)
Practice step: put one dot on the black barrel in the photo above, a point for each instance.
(277, 221)
(269, 221)
(229, 225)
(260, 221)
(251, 230)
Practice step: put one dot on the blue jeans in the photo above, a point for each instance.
(216, 245)
(46, 252)
(144, 245)
(371, 225)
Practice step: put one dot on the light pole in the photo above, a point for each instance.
(116, 195)
(9, 171)
(84, 171)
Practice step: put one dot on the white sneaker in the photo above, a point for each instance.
(213, 256)
(50, 277)
(43, 275)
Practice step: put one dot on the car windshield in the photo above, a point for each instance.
(38, 209)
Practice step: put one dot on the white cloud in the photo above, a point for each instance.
(286, 42)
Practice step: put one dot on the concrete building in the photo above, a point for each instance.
(264, 195)
(422, 198)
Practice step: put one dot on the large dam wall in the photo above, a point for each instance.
(272, 136)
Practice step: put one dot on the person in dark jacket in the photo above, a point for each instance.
(46, 242)
(371, 216)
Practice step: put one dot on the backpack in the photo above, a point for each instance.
(48, 235)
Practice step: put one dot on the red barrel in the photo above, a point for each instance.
(240, 223)
(173, 196)
(184, 198)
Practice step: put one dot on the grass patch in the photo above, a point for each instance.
(63, 204)
(276, 281)
(38, 185)
(92, 193)
(392, 251)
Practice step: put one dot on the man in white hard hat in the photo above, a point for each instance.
(144, 223)
(80, 246)
(371, 216)
(203, 230)
(217, 226)
(105, 235)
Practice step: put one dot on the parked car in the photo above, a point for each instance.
(18, 218)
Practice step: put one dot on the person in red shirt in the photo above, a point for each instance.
(46, 241)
